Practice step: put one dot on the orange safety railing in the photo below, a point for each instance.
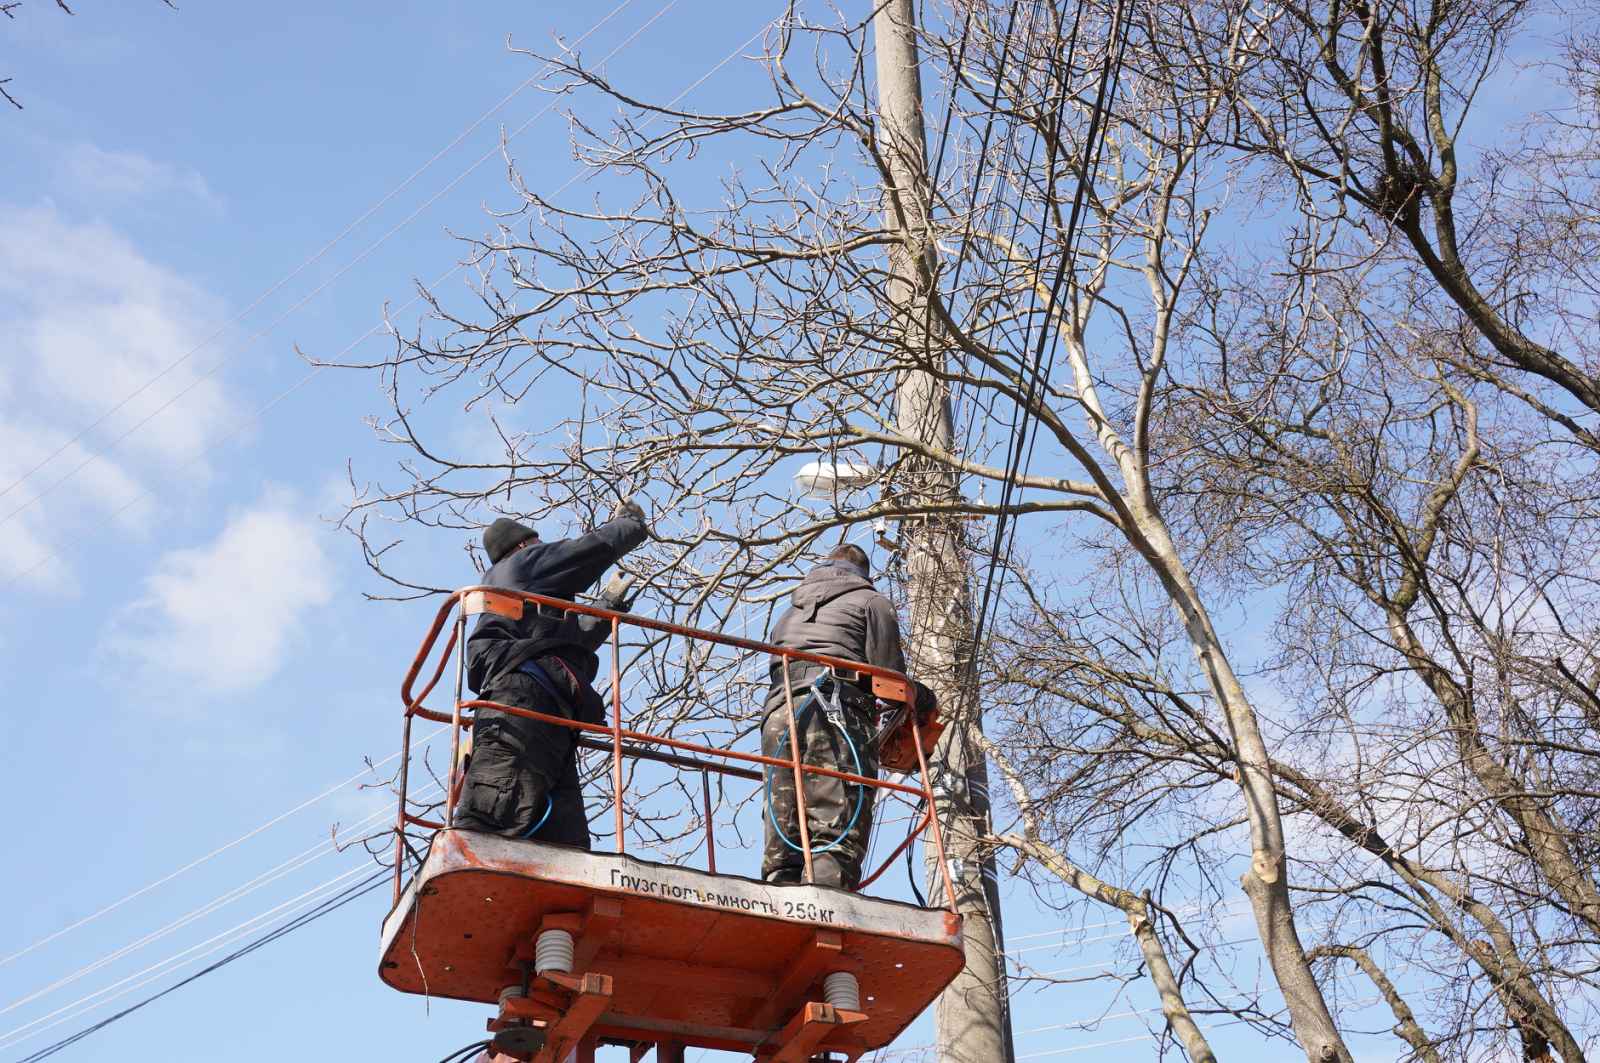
(622, 743)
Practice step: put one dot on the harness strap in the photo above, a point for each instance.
(539, 675)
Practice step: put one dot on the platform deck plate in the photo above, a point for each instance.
(694, 954)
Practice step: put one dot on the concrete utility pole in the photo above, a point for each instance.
(972, 1017)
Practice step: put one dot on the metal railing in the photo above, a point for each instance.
(622, 743)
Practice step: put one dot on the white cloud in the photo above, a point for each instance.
(85, 320)
(223, 616)
(116, 177)
(100, 489)
(95, 320)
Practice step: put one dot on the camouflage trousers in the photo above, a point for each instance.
(839, 831)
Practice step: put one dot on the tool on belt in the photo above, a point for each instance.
(896, 740)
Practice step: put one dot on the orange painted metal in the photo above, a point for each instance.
(799, 776)
(616, 731)
(673, 743)
(884, 681)
(707, 961)
(692, 958)
(887, 683)
(821, 955)
(488, 601)
(460, 634)
(898, 752)
(938, 831)
(591, 996)
(806, 1032)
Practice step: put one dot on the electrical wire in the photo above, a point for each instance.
(463, 1053)
(983, 146)
(191, 865)
(156, 970)
(162, 881)
(987, 869)
(326, 907)
(326, 283)
(314, 259)
(287, 867)
(1224, 911)
(292, 864)
(1094, 143)
(916, 891)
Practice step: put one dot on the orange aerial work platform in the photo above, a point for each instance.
(581, 949)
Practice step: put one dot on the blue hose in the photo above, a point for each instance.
(549, 805)
(861, 791)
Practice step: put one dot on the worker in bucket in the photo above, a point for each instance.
(522, 776)
(835, 612)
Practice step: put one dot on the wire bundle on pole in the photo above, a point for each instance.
(1022, 439)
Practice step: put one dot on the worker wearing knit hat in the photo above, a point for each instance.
(522, 778)
(504, 536)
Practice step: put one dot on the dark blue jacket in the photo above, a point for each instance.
(563, 569)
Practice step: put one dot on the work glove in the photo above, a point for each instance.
(614, 595)
(632, 510)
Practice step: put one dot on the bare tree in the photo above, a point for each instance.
(1306, 426)
(1364, 104)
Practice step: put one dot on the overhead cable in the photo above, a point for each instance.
(218, 851)
(1094, 141)
(326, 283)
(324, 848)
(326, 907)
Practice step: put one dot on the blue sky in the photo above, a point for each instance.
(187, 650)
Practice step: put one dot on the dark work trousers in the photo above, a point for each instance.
(518, 765)
(838, 844)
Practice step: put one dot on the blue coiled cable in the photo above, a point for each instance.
(855, 756)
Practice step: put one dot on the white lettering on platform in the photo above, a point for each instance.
(675, 891)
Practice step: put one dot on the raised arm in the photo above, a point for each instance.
(567, 569)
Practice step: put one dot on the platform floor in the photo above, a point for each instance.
(715, 959)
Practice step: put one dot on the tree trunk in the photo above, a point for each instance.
(1266, 883)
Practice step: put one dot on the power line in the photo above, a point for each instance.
(1091, 1021)
(1094, 142)
(462, 1053)
(217, 941)
(268, 406)
(1193, 906)
(326, 907)
(293, 864)
(191, 865)
(313, 260)
(977, 182)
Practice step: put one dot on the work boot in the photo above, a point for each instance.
(784, 876)
(827, 871)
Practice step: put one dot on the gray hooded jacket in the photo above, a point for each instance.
(836, 612)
